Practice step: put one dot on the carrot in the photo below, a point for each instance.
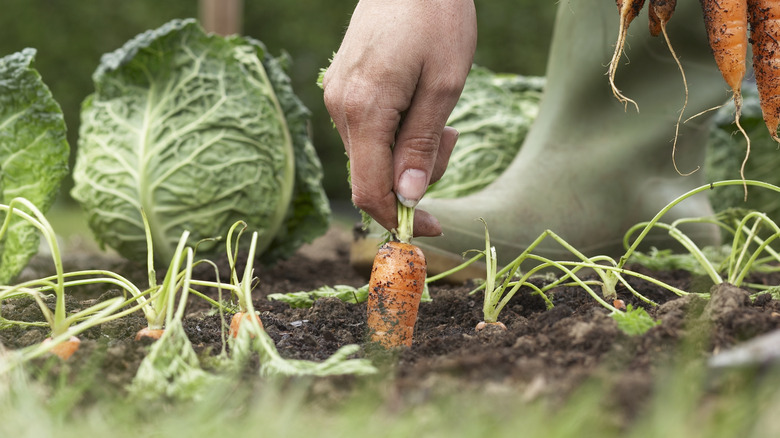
(726, 24)
(660, 12)
(238, 319)
(628, 10)
(764, 16)
(394, 291)
(65, 350)
(150, 333)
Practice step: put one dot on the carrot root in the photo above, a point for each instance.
(64, 350)
(238, 319)
(149, 333)
(764, 18)
(628, 10)
(482, 325)
(395, 288)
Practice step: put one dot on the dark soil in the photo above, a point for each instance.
(542, 353)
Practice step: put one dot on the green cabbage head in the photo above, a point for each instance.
(33, 155)
(197, 131)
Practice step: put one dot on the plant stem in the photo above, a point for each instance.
(405, 230)
(631, 248)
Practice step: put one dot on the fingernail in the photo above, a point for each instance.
(411, 187)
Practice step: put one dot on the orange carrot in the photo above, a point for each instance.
(149, 333)
(765, 39)
(628, 10)
(64, 350)
(726, 25)
(660, 12)
(394, 291)
(238, 319)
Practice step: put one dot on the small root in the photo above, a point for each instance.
(715, 108)
(685, 103)
(737, 114)
(613, 67)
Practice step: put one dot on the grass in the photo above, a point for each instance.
(687, 403)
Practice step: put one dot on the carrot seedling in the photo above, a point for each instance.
(493, 302)
(65, 328)
(155, 300)
(749, 250)
(243, 288)
(172, 368)
(250, 336)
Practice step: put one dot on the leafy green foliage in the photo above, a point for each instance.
(33, 154)
(345, 293)
(634, 321)
(305, 299)
(198, 131)
(492, 116)
(726, 151)
(667, 260)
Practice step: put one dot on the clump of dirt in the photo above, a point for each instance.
(541, 353)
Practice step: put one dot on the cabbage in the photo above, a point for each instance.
(197, 131)
(33, 154)
(493, 116)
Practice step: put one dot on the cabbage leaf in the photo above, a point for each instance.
(33, 154)
(493, 116)
(198, 131)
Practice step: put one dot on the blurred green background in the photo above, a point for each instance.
(71, 35)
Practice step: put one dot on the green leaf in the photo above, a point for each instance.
(634, 321)
(33, 154)
(305, 299)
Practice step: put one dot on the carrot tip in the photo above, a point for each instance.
(482, 325)
(148, 333)
(64, 350)
(238, 319)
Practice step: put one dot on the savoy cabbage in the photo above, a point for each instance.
(197, 131)
(33, 155)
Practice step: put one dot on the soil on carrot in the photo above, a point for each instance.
(542, 353)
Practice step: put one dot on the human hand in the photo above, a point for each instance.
(400, 60)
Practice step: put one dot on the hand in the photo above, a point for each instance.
(400, 60)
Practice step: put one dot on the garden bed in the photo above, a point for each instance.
(543, 355)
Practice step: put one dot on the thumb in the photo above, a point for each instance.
(419, 151)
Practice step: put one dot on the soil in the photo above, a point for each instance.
(541, 353)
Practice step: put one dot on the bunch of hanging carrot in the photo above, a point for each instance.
(727, 23)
